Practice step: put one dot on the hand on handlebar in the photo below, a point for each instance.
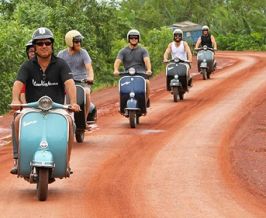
(75, 107)
(116, 72)
(149, 73)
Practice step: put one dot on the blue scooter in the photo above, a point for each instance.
(43, 144)
(177, 78)
(206, 61)
(132, 89)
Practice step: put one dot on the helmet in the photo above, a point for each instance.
(28, 45)
(71, 35)
(205, 28)
(133, 32)
(42, 33)
(178, 31)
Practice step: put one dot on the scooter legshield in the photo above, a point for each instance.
(80, 119)
(37, 126)
(208, 56)
(176, 68)
(136, 84)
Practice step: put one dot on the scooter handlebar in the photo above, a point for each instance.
(89, 82)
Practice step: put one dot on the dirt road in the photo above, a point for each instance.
(202, 157)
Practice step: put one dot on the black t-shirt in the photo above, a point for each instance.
(50, 82)
(206, 40)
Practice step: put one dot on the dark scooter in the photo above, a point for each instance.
(177, 80)
(132, 89)
(80, 117)
(206, 62)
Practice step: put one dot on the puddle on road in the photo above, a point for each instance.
(152, 131)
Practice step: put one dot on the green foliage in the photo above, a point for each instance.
(156, 42)
(237, 25)
(6, 82)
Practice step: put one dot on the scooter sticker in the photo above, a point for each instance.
(29, 123)
(126, 83)
(170, 68)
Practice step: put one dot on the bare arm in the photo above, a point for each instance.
(90, 72)
(188, 51)
(147, 62)
(167, 52)
(16, 92)
(71, 92)
(198, 42)
(214, 44)
(116, 66)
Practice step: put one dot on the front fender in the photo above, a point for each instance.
(132, 104)
(175, 82)
(203, 65)
(43, 158)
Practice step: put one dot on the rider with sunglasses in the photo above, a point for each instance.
(135, 56)
(79, 62)
(45, 74)
(179, 49)
(207, 39)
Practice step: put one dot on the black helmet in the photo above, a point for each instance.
(42, 33)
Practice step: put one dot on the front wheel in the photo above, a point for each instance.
(181, 93)
(42, 185)
(204, 73)
(132, 119)
(175, 93)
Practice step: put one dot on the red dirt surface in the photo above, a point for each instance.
(202, 157)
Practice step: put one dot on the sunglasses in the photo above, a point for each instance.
(77, 41)
(178, 35)
(47, 43)
(133, 37)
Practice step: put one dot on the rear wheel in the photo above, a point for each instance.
(175, 93)
(42, 185)
(132, 119)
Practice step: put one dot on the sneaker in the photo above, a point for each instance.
(14, 169)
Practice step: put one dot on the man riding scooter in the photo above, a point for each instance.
(135, 56)
(45, 74)
(179, 49)
(207, 39)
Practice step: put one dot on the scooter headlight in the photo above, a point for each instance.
(131, 71)
(43, 144)
(176, 76)
(204, 60)
(45, 103)
(132, 94)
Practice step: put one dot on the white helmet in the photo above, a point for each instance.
(178, 31)
(205, 28)
(72, 35)
(133, 32)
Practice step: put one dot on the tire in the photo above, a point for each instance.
(42, 185)
(204, 74)
(175, 93)
(132, 119)
(137, 119)
(181, 93)
(208, 75)
(79, 136)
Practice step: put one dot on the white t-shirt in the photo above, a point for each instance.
(178, 52)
